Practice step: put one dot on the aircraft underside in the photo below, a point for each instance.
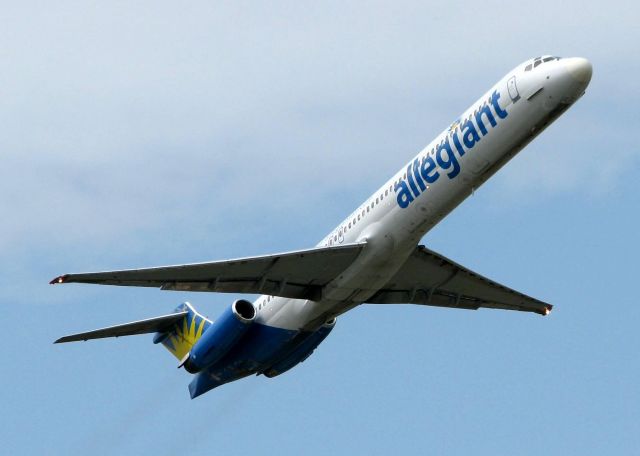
(371, 257)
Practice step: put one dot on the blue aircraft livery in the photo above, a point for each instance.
(373, 256)
(444, 157)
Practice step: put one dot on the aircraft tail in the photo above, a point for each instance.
(177, 331)
(184, 333)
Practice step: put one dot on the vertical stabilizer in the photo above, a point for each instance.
(181, 336)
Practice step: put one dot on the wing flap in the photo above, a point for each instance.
(150, 325)
(299, 274)
(428, 278)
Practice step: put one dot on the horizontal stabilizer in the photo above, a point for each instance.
(150, 325)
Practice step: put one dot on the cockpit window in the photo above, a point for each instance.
(539, 60)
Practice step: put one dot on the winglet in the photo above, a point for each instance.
(59, 279)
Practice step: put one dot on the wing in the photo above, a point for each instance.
(150, 325)
(300, 274)
(428, 278)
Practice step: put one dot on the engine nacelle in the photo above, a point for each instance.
(221, 336)
(302, 351)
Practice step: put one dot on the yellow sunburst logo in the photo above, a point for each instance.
(185, 334)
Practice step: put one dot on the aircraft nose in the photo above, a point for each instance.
(579, 68)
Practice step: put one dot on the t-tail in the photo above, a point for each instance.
(178, 331)
(180, 337)
(197, 342)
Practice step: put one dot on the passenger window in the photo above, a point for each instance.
(377, 201)
(386, 192)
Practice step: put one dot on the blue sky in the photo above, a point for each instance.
(156, 133)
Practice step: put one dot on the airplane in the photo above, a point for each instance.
(372, 257)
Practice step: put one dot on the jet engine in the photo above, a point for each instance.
(220, 337)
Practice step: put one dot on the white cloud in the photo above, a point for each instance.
(587, 153)
(118, 118)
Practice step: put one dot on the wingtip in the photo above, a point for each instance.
(547, 310)
(59, 279)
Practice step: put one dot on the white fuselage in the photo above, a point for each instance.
(460, 159)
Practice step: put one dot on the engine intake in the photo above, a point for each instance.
(243, 309)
